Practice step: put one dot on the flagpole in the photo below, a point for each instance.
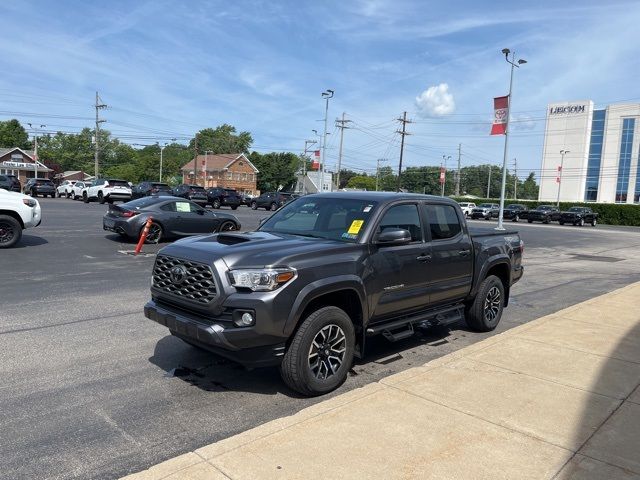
(513, 64)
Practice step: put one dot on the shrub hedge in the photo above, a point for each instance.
(608, 213)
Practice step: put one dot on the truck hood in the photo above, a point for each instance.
(253, 249)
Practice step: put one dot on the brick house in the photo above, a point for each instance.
(228, 170)
(18, 162)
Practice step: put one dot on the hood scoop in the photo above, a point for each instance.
(231, 239)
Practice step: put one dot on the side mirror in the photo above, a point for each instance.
(393, 236)
(262, 220)
(201, 212)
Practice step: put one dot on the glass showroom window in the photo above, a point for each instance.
(624, 165)
(595, 156)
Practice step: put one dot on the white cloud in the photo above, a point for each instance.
(435, 101)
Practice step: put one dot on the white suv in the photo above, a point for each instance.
(107, 190)
(17, 212)
(64, 189)
(467, 208)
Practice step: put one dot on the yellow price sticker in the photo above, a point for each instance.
(355, 227)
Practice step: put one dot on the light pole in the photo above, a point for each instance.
(304, 163)
(562, 153)
(378, 169)
(444, 180)
(514, 63)
(326, 95)
(161, 149)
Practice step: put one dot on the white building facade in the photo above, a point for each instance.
(601, 149)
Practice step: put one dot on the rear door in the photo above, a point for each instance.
(451, 266)
(400, 273)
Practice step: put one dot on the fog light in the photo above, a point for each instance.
(246, 320)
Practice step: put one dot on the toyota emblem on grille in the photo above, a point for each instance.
(178, 274)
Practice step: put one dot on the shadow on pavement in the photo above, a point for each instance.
(31, 241)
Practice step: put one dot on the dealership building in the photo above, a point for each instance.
(591, 155)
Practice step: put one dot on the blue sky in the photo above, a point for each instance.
(169, 68)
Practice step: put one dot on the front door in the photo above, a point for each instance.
(451, 266)
(188, 220)
(399, 278)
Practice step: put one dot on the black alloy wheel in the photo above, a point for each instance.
(274, 207)
(155, 233)
(85, 197)
(485, 311)
(10, 231)
(254, 206)
(228, 226)
(216, 203)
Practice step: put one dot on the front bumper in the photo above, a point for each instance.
(241, 345)
(475, 215)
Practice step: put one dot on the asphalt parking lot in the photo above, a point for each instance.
(92, 389)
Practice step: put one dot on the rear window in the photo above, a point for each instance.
(443, 221)
(140, 203)
(118, 183)
(44, 182)
(230, 192)
(197, 189)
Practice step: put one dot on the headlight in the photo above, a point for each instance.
(29, 202)
(261, 280)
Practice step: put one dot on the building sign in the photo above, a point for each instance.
(567, 109)
(17, 164)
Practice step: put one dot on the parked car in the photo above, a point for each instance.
(64, 189)
(172, 217)
(579, 216)
(144, 189)
(270, 200)
(195, 193)
(107, 190)
(17, 212)
(485, 210)
(247, 199)
(77, 189)
(39, 186)
(515, 212)
(467, 207)
(544, 214)
(227, 197)
(10, 183)
(325, 272)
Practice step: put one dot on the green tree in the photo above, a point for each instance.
(13, 134)
(222, 139)
(362, 182)
(345, 176)
(277, 170)
(529, 188)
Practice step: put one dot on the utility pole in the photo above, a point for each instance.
(378, 170)
(99, 106)
(195, 159)
(304, 164)
(403, 133)
(443, 174)
(563, 152)
(35, 148)
(341, 125)
(457, 192)
(515, 179)
(326, 95)
(489, 184)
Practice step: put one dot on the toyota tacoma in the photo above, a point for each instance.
(326, 272)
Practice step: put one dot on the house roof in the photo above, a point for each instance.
(4, 151)
(219, 162)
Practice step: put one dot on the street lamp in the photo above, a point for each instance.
(562, 153)
(35, 148)
(514, 63)
(326, 95)
(444, 180)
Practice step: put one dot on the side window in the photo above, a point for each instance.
(182, 207)
(169, 207)
(194, 208)
(443, 221)
(405, 217)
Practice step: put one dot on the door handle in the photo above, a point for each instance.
(423, 258)
(464, 253)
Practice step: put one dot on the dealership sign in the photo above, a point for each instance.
(567, 109)
(17, 164)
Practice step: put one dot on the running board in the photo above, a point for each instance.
(401, 328)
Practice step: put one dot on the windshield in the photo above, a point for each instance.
(576, 209)
(515, 207)
(485, 205)
(140, 203)
(544, 207)
(328, 218)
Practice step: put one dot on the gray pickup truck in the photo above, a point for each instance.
(321, 275)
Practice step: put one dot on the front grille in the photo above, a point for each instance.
(197, 285)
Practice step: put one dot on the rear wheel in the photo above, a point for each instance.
(216, 203)
(155, 233)
(101, 198)
(516, 218)
(484, 313)
(10, 231)
(581, 222)
(594, 222)
(274, 207)
(321, 352)
(234, 207)
(85, 197)
(254, 206)
(68, 194)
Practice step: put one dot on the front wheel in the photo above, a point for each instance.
(10, 231)
(228, 226)
(216, 203)
(530, 221)
(85, 197)
(254, 206)
(274, 207)
(484, 313)
(594, 222)
(561, 222)
(321, 353)
(101, 198)
(516, 218)
(68, 194)
(581, 222)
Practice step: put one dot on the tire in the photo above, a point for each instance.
(101, 198)
(530, 221)
(228, 226)
(85, 197)
(10, 231)
(546, 221)
(254, 206)
(234, 208)
(155, 233)
(53, 195)
(58, 194)
(308, 377)
(516, 218)
(560, 222)
(68, 194)
(33, 194)
(594, 222)
(484, 313)
(274, 207)
(581, 222)
(216, 203)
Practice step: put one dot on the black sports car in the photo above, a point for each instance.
(515, 212)
(544, 214)
(172, 217)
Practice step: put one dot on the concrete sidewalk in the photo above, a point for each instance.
(556, 398)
